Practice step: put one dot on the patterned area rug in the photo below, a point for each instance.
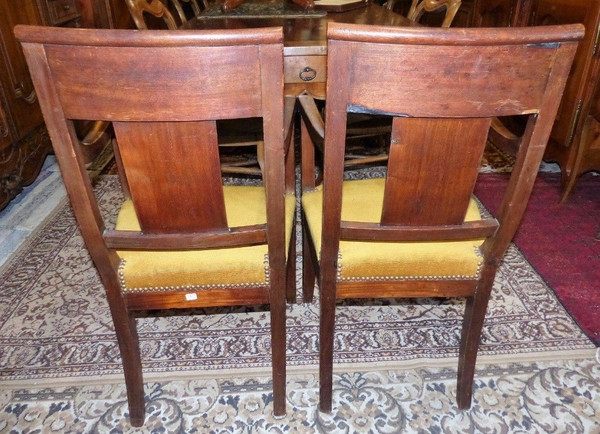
(55, 328)
(539, 397)
(562, 241)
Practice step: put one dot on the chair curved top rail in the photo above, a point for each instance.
(149, 38)
(455, 36)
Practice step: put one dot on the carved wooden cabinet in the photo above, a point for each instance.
(105, 14)
(575, 139)
(24, 142)
(502, 13)
(61, 12)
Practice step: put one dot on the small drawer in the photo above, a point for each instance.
(62, 11)
(305, 69)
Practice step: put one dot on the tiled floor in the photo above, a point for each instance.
(20, 218)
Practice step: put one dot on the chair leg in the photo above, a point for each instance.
(326, 331)
(572, 169)
(475, 310)
(278, 307)
(129, 348)
(290, 273)
(308, 264)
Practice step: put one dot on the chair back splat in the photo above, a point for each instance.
(182, 239)
(418, 231)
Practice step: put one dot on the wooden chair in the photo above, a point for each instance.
(181, 240)
(418, 232)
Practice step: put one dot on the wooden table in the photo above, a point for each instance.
(305, 41)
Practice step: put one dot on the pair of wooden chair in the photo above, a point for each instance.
(182, 239)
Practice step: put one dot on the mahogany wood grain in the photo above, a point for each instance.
(422, 152)
(228, 237)
(221, 297)
(184, 155)
(245, 165)
(402, 289)
(160, 91)
(442, 87)
(361, 231)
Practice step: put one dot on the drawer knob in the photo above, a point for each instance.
(307, 74)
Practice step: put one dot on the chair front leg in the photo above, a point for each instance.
(129, 347)
(475, 310)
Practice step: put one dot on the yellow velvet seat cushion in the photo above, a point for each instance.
(199, 269)
(362, 201)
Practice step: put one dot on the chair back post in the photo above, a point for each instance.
(137, 8)
(70, 159)
(530, 154)
(419, 7)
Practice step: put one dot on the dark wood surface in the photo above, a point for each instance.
(444, 87)
(24, 142)
(305, 36)
(305, 46)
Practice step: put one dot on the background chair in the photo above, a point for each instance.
(419, 7)
(182, 239)
(193, 5)
(418, 232)
(156, 8)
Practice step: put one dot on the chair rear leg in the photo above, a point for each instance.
(278, 307)
(326, 331)
(290, 273)
(308, 264)
(475, 310)
(132, 367)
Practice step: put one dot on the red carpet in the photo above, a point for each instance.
(562, 241)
